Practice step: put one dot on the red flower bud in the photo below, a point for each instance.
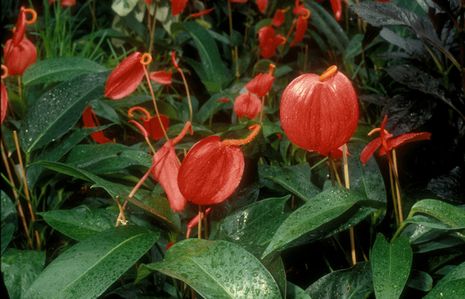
(278, 18)
(125, 78)
(4, 95)
(262, 4)
(178, 6)
(301, 26)
(261, 84)
(336, 5)
(20, 56)
(247, 105)
(213, 169)
(162, 77)
(269, 41)
(90, 121)
(319, 113)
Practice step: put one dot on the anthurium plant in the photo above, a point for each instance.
(233, 149)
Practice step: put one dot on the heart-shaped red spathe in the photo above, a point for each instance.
(211, 171)
(125, 78)
(18, 57)
(319, 113)
(247, 105)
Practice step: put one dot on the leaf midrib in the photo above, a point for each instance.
(98, 261)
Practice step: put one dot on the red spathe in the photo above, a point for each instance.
(18, 57)
(125, 78)
(319, 115)
(211, 171)
(247, 105)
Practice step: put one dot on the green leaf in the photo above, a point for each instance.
(390, 264)
(8, 216)
(448, 214)
(107, 158)
(295, 292)
(295, 179)
(59, 69)
(160, 211)
(210, 107)
(212, 71)
(217, 269)
(420, 280)
(254, 226)
(450, 286)
(348, 283)
(316, 217)
(328, 26)
(20, 268)
(88, 268)
(55, 112)
(81, 222)
(56, 151)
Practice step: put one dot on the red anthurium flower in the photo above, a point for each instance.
(91, 121)
(336, 5)
(125, 78)
(319, 113)
(162, 77)
(64, 3)
(301, 23)
(279, 17)
(19, 57)
(247, 105)
(386, 142)
(165, 169)
(4, 95)
(269, 41)
(151, 124)
(212, 169)
(19, 51)
(178, 6)
(262, 4)
(301, 26)
(261, 83)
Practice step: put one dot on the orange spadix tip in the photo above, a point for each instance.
(146, 59)
(331, 71)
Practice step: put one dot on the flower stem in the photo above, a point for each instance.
(199, 225)
(26, 187)
(345, 162)
(234, 51)
(16, 196)
(147, 78)
(188, 95)
(397, 185)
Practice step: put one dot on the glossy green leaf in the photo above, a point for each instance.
(391, 265)
(9, 219)
(420, 280)
(81, 222)
(59, 69)
(56, 151)
(328, 26)
(107, 158)
(56, 111)
(316, 215)
(450, 286)
(451, 215)
(160, 211)
(210, 107)
(296, 292)
(20, 268)
(217, 269)
(348, 283)
(88, 268)
(254, 226)
(212, 71)
(295, 179)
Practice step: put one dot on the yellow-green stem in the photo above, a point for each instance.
(154, 101)
(188, 95)
(345, 162)
(397, 185)
(16, 196)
